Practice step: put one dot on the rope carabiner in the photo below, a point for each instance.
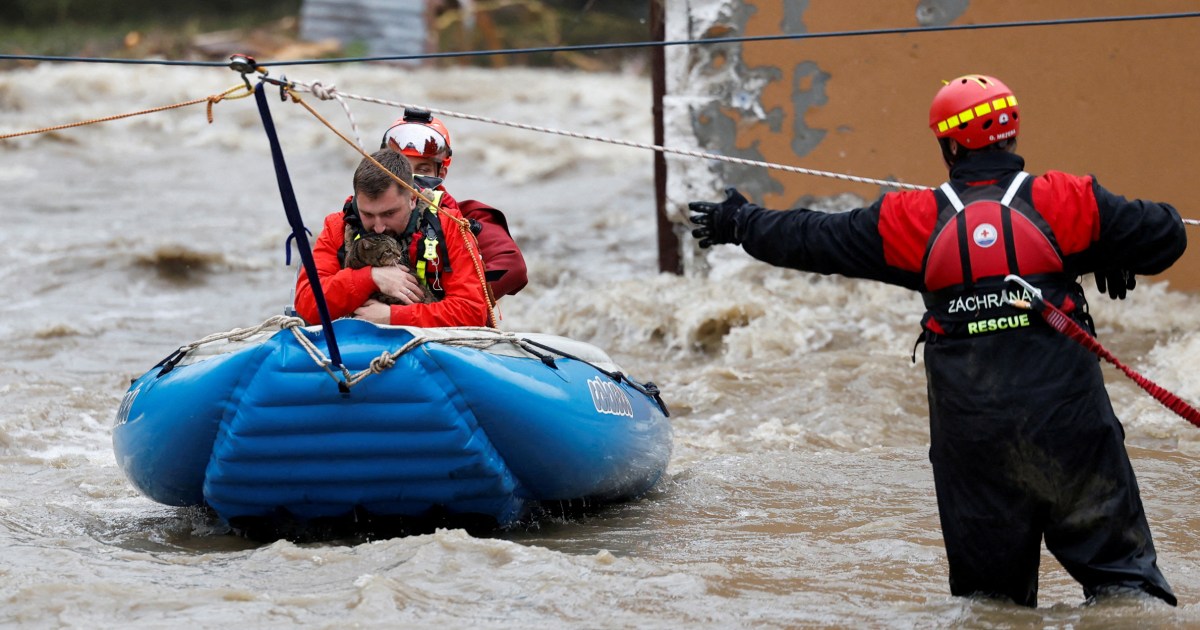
(1033, 291)
(244, 65)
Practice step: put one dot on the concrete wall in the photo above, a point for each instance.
(1118, 100)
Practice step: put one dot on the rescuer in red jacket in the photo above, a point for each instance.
(425, 141)
(442, 249)
(1024, 441)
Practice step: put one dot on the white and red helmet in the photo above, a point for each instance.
(419, 134)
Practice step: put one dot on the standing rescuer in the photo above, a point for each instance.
(1024, 442)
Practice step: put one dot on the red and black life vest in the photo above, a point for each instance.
(983, 234)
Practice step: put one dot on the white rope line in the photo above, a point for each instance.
(324, 93)
(380, 363)
(241, 334)
(295, 324)
(388, 359)
(636, 145)
(331, 92)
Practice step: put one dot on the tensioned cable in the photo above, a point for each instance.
(624, 143)
(327, 93)
(644, 44)
(261, 66)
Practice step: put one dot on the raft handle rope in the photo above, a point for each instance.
(281, 322)
(387, 359)
(1063, 323)
(241, 334)
(648, 388)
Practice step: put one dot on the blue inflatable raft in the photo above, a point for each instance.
(471, 422)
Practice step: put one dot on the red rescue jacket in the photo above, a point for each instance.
(464, 302)
(506, 271)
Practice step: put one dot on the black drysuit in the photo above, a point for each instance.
(1024, 441)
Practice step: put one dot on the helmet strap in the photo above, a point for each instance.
(951, 151)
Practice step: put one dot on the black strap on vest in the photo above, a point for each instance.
(1010, 244)
(964, 252)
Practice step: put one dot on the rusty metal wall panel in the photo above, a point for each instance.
(1112, 99)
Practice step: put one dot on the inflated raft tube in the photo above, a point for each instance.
(448, 421)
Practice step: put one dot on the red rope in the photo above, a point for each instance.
(1067, 326)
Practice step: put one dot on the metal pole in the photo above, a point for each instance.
(669, 259)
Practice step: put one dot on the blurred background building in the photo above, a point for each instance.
(381, 27)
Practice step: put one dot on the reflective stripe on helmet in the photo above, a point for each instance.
(969, 114)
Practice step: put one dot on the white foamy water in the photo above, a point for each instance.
(799, 493)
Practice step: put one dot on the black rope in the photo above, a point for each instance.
(645, 44)
(299, 232)
(648, 388)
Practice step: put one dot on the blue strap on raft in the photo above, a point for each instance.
(299, 232)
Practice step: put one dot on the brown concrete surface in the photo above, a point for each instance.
(1117, 100)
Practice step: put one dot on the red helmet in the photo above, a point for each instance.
(419, 134)
(975, 110)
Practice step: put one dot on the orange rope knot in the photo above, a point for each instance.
(217, 98)
(213, 100)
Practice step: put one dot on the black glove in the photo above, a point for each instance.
(1115, 282)
(718, 221)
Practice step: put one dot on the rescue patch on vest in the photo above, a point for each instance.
(998, 323)
(985, 235)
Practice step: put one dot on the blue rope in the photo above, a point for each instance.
(622, 45)
(299, 232)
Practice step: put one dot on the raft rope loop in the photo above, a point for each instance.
(478, 337)
(494, 337)
(1063, 323)
(280, 322)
